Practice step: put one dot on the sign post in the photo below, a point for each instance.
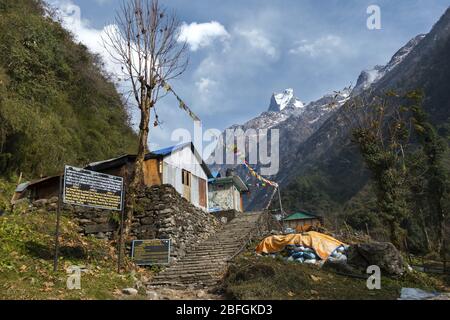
(119, 250)
(58, 219)
(91, 189)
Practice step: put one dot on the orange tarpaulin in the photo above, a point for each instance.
(323, 244)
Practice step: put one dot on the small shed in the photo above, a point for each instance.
(302, 221)
(226, 193)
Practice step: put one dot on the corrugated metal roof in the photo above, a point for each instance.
(115, 162)
(236, 180)
(21, 187)
(301, 216)
(169, 150)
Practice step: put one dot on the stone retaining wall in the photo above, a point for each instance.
(160, 213)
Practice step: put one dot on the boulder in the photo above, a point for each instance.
(130, 291)
(382, 254)
(339, 266)
(152, 295)
(40, 203)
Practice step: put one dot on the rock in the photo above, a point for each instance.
(201, 294)
(130, 291)
(96, 228)
(152, 295)
(166, 211)
(382, 254)
(339, 266)
(147, 220)
(40, 203)
(84, 221)
(101, 220)
(100, 235)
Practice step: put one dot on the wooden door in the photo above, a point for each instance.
(186, 181)
(202, 192)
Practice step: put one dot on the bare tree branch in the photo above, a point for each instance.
(145, 42)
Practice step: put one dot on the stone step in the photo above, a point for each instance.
(174, 284)
(211, 252)
(218, 246)
(204, 264)
(206, 258)
(184, 275)
(210, 269)
(187, 276)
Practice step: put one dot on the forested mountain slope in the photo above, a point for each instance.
(57, 105)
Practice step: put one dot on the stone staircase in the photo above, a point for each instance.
(205, 264)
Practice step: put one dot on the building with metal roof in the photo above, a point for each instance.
(302, 221)
(226, 193)
(180, 166)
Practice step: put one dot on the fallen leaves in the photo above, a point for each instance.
(48, 286)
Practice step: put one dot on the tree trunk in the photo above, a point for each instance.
(396, 234)
(137, 178)
(425, 232)
(441, 232)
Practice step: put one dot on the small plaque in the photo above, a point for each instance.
(151, 252)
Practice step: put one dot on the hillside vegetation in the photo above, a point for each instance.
(264, 278)
(26, 261)
(57, 105)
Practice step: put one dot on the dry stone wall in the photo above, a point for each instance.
(160, 213)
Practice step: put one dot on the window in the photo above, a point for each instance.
(185, 178)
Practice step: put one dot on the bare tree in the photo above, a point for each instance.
(145, 42)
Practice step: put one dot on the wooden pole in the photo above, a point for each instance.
(281, 209)
(120, 245)
(58, 220)
(14, 194)
(281, 205)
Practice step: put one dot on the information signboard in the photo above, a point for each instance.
(151, 252)
(92, 189)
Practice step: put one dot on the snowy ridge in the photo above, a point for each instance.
(288, 106)
(369, 77)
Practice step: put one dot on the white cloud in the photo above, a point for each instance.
(259, 41)
(199, 35)
(70, 14)
(322, 46)
(205, 85)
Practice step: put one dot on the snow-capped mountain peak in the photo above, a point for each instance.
(283, 100)
(372, 76)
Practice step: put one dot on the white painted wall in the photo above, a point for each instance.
(172, 169)
(227, 198)
(195, 199)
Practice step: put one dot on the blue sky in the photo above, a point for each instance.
(243, 51)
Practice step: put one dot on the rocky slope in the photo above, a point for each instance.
(295, 122)
(314, 139)
(329, 150)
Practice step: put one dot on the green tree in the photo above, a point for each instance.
(382, 135)
(57, 104)
(433, 149)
